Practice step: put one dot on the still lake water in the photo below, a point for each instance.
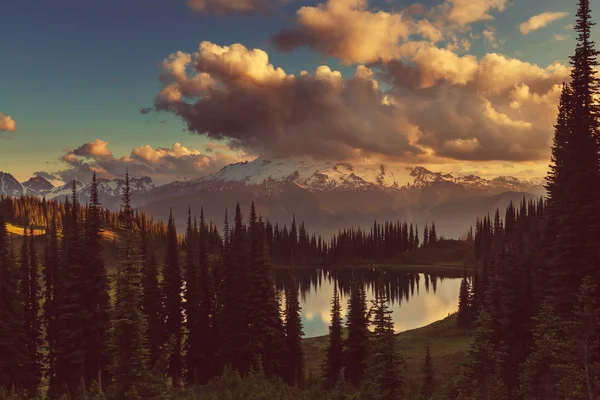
(416, 299)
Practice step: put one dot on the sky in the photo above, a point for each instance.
(178, 89)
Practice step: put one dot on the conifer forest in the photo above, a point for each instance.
(99, 304)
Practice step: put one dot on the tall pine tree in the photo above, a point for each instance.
(12, 332)
(97, 298)
(384, 378)
(128, 344)
(172, 288)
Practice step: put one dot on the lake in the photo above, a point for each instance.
(416, 299)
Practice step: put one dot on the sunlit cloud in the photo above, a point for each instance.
(221, 7)
(7, 123)
(160, 163)
(540, 21)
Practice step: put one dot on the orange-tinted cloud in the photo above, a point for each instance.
(257, 106)
(435, 105)
(540, 21)
(221, 7)
(500, 108)
(355, 33)
(162, 164)
(7, 123)
(95, 149)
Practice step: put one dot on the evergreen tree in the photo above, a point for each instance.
(172, 288)
(357, 340)
(482, 378)
(97, 297)
(334, 357)
(267, 337)
(51, 266)
(428, 376)
(152, 299)
(33, 367)
(544, 368)
(432, 234)
(384, 374)
(206, 350)
(192, 304)
(583, 337)
(70, 296)
(12, 332)
(574, 179)
(128, 344)
(293, 332)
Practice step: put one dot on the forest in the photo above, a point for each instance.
(205, 321)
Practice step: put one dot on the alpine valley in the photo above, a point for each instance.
(325, 195)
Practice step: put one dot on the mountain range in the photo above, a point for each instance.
(326, 196)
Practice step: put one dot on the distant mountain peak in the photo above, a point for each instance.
(9, 185)
(36, 185)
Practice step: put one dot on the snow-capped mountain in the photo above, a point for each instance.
(109, 191)
(328, 195)
(325, 195)
(9, 186)
(325, 176)
(36, 185)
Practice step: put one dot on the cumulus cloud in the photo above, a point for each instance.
(221, 7)
(160, 163)
(355, 33)
(500, 108)
(259, 107)
(466, 12)
(435, 104)
(540, 21)
(7, 124)
(95, 149)
(338, 27)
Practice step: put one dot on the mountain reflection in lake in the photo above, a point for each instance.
(416, 299)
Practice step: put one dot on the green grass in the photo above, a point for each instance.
(449, 346)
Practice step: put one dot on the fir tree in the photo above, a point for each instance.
(51, 266)
(97, 297)
(267, 338)
(357, 340)
(71, 324)
(334, 357)
(172, 287)
(192, 304)
(432, 233)
(128, 345)
(543, 369)
(384, 378)
(12, 332)
(574, 207)
(33, 367)
(428, 385)
(583, 337)
(482, 377)
(293, 332)
(206, 350)
(152, 300)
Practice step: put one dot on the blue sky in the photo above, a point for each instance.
(74, 71)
